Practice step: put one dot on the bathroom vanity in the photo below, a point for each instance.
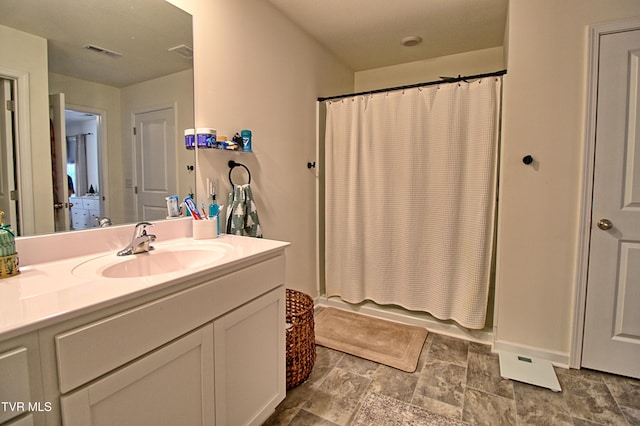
(145, 345)
(85, 211)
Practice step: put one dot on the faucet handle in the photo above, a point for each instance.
(143, 228)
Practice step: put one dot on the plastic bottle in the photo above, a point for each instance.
(214, 210)
(190, 138)
(206, 137)
(246, 140)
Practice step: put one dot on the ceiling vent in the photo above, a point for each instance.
(183, 50)
(98, 49)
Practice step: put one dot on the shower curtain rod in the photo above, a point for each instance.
(411, 86)
(80, 134)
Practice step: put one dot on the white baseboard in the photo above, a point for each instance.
(392, 313)
(559, 359)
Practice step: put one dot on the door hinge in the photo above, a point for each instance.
(11, 105)
(13, 195)
(135, 189)
(134, 131)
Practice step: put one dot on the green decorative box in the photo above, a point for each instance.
(8, 255)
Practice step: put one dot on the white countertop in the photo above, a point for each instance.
(48, 292)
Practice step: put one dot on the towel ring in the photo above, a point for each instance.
(232, 165)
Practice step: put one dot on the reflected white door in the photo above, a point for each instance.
(612, 319)
(7, 174)
(61, 195)
(155, 145)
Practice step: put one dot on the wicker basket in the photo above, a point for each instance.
(9, 266)
(301, 340)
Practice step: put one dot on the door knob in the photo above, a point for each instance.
(605, 224)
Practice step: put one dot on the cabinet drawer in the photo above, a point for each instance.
(91, 204)
(99, 347)
(14, 377)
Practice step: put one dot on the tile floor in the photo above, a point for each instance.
(458, 380)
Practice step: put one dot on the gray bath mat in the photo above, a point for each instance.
(383, 410)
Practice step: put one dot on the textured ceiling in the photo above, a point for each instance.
(366, 34)
(141, 30)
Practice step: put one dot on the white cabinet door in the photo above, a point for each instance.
(171, 386)
(250, 360)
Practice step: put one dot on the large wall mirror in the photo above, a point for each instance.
(102, 93)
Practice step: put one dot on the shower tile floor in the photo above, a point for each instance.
(459, 381)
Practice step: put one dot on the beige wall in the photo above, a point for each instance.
(468, 63)
(24, 52)
(255, 70)
(544, 115)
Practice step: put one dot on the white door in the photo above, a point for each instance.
(155, 145)
(612, 318)
(7, 170)
(61, 194)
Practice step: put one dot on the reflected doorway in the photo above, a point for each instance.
(8, 177)
(83, 168)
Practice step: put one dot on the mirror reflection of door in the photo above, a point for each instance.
(58, 163)
(8, 199)
(155, 162)
(83, 168)
(75, 160)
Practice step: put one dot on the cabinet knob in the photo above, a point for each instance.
(527, 159)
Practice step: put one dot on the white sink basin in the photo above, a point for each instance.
(160, 261)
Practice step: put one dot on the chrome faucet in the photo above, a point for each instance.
(103, 222)
(140, 242)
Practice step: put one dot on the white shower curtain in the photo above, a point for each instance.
(79, 144)
(411, 198)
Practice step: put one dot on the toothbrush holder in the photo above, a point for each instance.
(205, 229)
